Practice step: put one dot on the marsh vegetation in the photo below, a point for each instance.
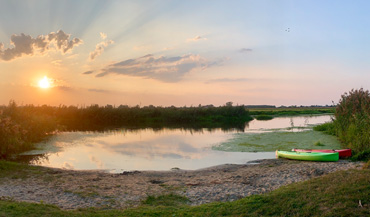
(351, 122)
(22, 126)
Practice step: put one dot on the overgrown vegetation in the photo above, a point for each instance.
(352, 123)
(352, 119)
(21, 126)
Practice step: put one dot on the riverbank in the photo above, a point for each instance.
(69, 189)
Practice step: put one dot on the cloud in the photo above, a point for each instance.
(235, 80)
(103, 35)
(98, 90)
(227, 80)
(196, 38)
(88, 72)
(168, 69)
(64, 88)
(99, 48)
(56, 62)
(26, 45)
(245, 50)
(62, 40)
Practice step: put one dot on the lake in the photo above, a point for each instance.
(148, 149)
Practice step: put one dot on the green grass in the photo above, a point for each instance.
(166, 200)
(18, 170)
(336, 194)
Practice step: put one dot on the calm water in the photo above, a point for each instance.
(146, 149)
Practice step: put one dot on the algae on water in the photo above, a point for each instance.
(271, 141)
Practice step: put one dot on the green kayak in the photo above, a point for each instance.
(310, 156)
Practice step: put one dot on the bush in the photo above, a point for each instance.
(352, 120)
(361, 156)
(327, 128)
(20, 127)
(11, 137)
(264, 117)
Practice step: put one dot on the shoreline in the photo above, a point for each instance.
(70, 189)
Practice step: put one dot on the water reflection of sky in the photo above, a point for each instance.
(146, 149)
(284, 123)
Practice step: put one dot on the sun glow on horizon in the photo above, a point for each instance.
(45, 83)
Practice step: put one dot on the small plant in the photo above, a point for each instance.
(319, 144)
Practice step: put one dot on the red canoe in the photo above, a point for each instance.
(343, 153)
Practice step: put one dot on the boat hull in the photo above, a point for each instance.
(343, 153)
(308, 156)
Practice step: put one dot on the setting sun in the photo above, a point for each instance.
(44, 83)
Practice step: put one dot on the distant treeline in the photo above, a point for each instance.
(20, 126)
(101, 117)
(292, 112)
(288, 107)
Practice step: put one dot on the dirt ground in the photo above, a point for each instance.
(80, 189)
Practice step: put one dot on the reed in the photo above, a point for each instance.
(352, 119)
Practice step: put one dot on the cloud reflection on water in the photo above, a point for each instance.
(153, 149)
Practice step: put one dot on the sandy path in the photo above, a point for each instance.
(77, 189)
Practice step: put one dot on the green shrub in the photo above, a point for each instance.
(361, 156)
(264, 117)
(352, 119)
(327, 128)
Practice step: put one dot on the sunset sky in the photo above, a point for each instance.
(172, 52)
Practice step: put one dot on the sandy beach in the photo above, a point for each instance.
(69, 189)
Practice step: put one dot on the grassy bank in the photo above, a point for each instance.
(277, 112)
(335, 194)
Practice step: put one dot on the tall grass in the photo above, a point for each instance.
(19, 129)
(352, 119)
